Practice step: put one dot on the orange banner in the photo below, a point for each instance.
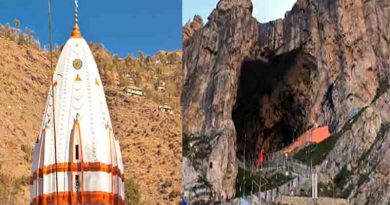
(315, 136)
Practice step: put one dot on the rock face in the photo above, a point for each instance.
(190, 28)
(251, 86)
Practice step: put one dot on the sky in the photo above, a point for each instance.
(123, 26)
(263, 10)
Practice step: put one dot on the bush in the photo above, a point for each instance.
(167, 183)
(173, 58)
(133, 196)
(2, 190)
(174, 194)
(23, 37)
(22, 181)
(28, 150)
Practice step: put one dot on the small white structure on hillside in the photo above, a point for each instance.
(165, 108)
(133, 90)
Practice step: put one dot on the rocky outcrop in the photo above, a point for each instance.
(250, 86)
(190, 28)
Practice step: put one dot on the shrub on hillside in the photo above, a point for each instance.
(22, 181)
(173, 58)
(133, 196)
(20, 36)
(2, 190)
(28, 150)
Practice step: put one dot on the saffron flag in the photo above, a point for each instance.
(315, 136)
(260, 160)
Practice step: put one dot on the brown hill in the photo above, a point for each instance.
(145, 72)
(150, 140)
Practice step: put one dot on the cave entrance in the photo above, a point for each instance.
(266, 114)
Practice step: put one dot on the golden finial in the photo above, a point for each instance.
(78, 78)
(76, 30)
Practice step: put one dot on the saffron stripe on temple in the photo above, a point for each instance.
(78, 198)
(76, 167)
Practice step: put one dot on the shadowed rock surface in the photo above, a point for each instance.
(251, 86)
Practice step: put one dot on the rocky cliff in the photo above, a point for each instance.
(250, 86)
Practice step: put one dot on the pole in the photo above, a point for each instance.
(252, 178)
(333, 188)
(260, 184)
(52, 93)
(244, 164)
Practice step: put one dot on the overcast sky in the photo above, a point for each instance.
(263, 10)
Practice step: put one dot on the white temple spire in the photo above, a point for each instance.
(89, 165)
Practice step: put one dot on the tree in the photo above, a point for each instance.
(128, 59)
(9, 33)
(21, 40)
(161, 56)
(158, 71)
(140, 56)
(124, 81)
(115, 61)
(173, 58)
(148, 60)
(30, 35)
(16, 23)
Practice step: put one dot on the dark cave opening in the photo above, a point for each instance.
(267, 114)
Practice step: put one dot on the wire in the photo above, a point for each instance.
(52, 93)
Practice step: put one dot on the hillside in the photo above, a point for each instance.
(145, 72)
(150, 139)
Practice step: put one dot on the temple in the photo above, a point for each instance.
(77, 159)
